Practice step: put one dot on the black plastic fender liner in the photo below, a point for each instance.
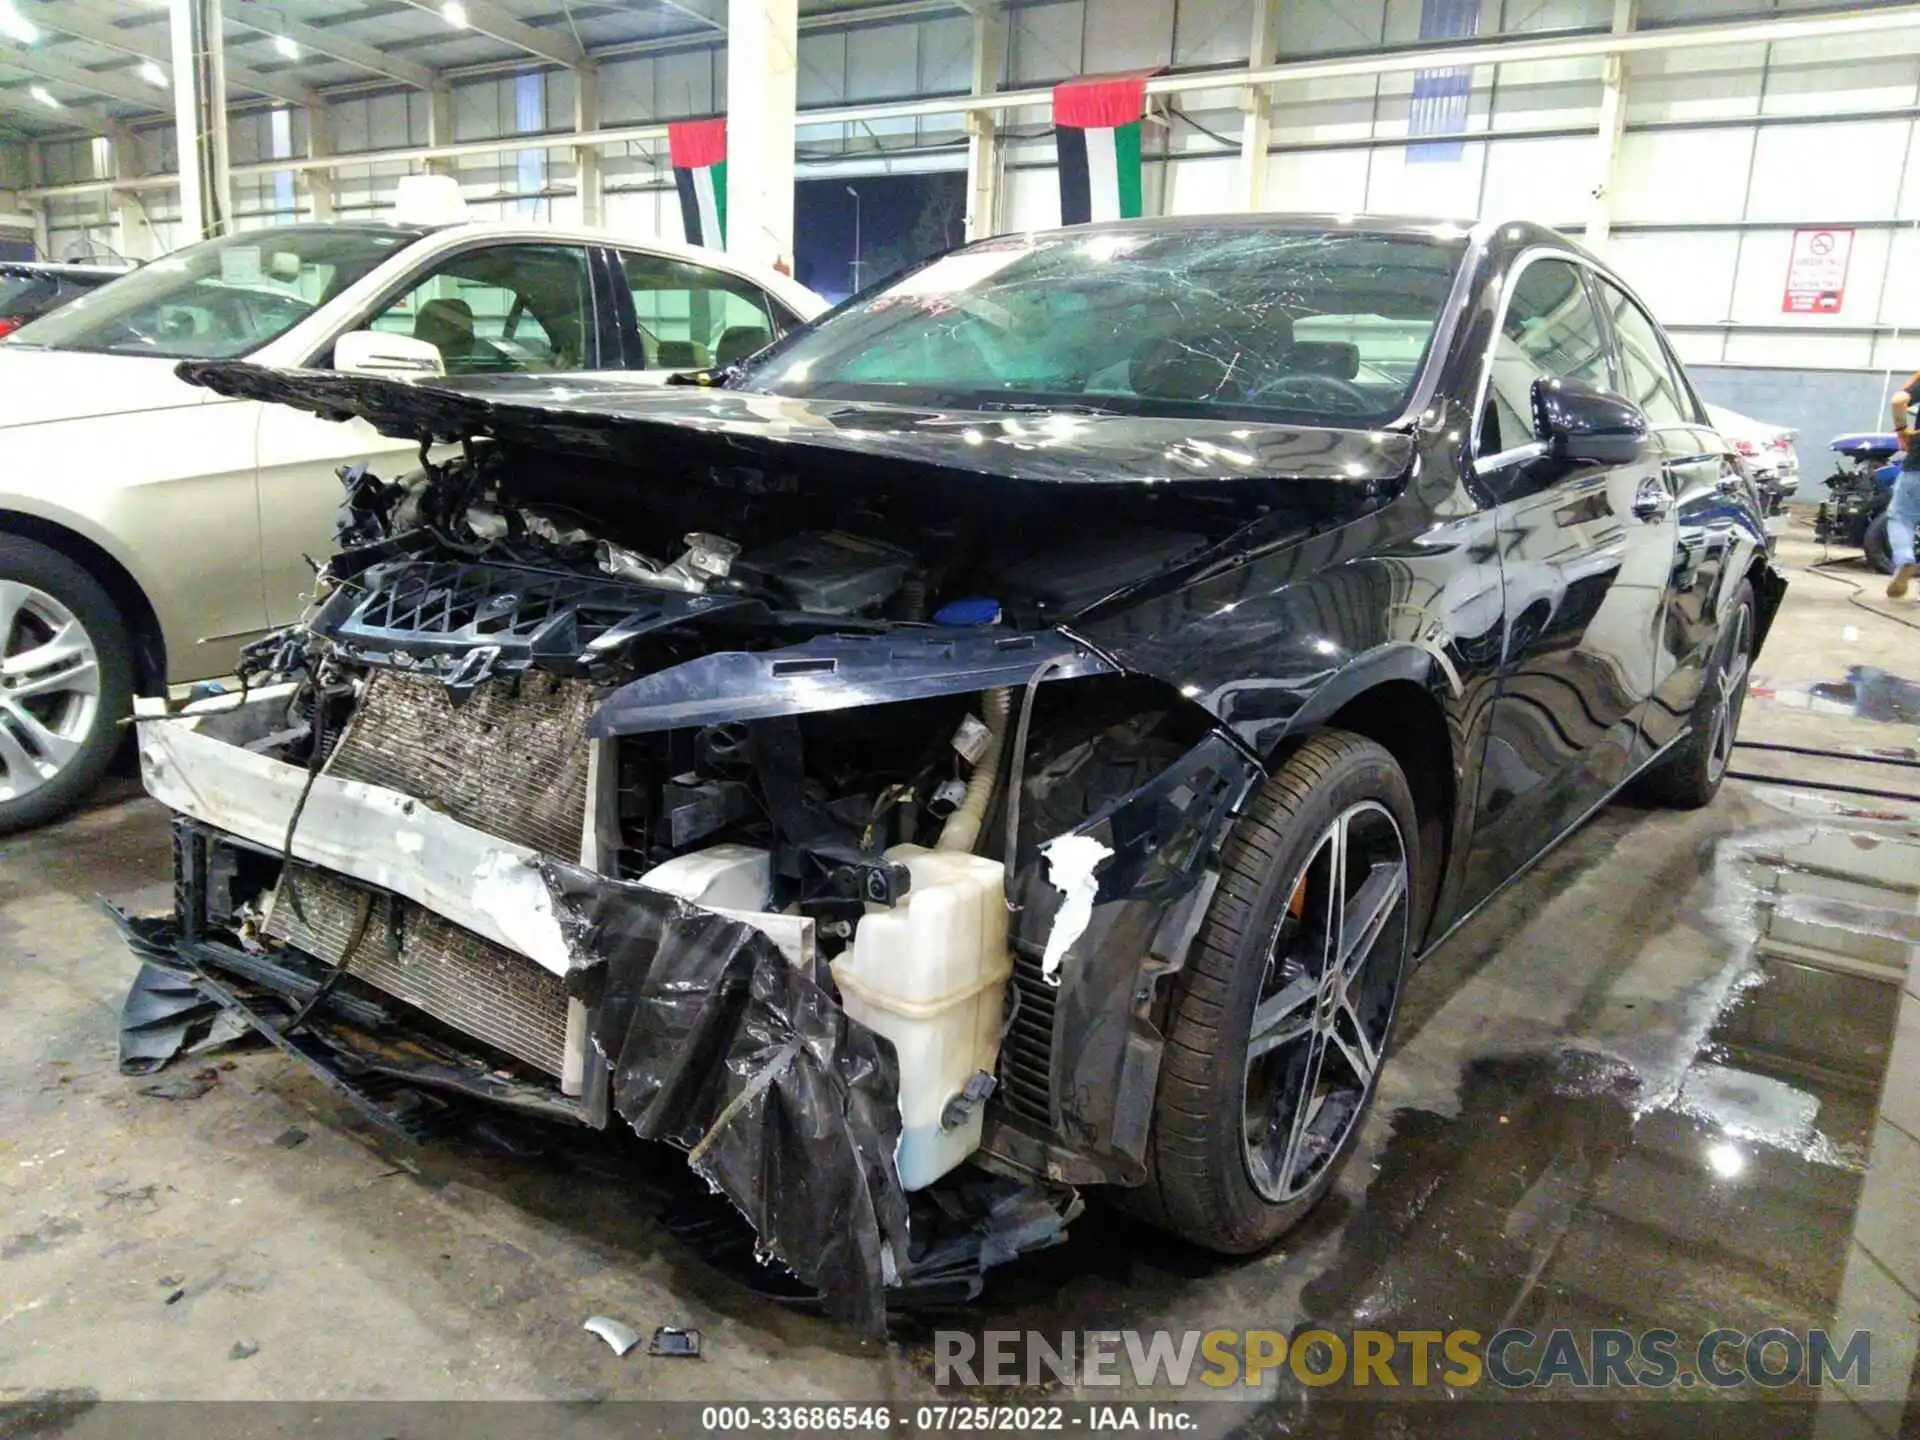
(717, 1043)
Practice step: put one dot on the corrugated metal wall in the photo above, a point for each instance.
(1725, 150)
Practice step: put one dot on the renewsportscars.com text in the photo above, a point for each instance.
(1382, 1359)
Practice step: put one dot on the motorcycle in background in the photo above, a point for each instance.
(1858, 493)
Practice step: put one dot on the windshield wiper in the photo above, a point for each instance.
(1028, 407)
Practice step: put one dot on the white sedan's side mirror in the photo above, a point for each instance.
(374, 352)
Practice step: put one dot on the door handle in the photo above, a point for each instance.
(1652, 500)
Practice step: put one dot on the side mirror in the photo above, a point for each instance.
(1585, 425)
(374, 352)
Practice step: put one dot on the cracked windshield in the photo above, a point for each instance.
(1228, 322)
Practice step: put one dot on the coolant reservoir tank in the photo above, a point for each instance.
(930, 975)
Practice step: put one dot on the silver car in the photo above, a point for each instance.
(149, 529)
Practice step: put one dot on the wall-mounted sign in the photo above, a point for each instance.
(1817, 272)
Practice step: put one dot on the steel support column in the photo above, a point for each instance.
(763, 41)
(132, 231)
(319, 146)
(200, 115)
(439, 127)
(1256, 104)
(588, 180)
(983, 126)
(1613, 115)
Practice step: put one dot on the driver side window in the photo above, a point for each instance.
(1551, 329)
(504, 309)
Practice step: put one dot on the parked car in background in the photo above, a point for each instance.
(31, 288)
(1858, 494)
(1765, 450)
(148, 528)
(1245, 599)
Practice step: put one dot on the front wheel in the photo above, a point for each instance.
(66, 679)
(1281, 1018)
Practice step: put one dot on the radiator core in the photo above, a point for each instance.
(460, 978)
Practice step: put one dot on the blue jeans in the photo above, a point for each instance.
(1903, 516)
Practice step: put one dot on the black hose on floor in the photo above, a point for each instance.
(1866, 756)
(1854, 598)
(1798, 784)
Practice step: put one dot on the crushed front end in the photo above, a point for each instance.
(715, 845)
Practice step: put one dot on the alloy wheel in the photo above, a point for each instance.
(49, 688)
(1729, 693)
(1325, 1003)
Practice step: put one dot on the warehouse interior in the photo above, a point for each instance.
(1663, 1081)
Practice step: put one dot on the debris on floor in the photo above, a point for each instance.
(291, 1138)
(183, 1087)
(620, 1338)
(244, 1350)
(672, 1340)
(162, 1013)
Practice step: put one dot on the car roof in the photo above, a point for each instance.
(1411, 226)
(782, 287)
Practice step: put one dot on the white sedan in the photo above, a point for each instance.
(149, 529)
(1766, 450)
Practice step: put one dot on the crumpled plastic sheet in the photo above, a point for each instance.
(719, 1044)
(163, 1013)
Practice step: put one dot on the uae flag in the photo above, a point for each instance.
(698, 149)
(1097, 129)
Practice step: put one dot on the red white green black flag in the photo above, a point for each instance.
(1097, 131)
(698, 149)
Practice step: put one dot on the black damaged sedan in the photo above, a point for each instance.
(1012, 736)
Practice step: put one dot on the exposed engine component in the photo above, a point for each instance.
(707, 561)
(832, 572)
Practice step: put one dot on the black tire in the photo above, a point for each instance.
(53, 574)
(1201, 1184)
(1878, 547)
(1689, 777)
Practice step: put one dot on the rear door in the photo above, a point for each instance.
(1708, 491)
(678, 315)
(1585, 553)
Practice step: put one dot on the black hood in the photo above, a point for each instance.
(623, 419)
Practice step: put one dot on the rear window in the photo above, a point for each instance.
(22, 291)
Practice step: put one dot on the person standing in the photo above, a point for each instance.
(1903, 512)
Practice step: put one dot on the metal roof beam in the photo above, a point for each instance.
(328, 41)
(87, 117)
(85, 22)
(708, 12)
(488, 19)
(36, 61)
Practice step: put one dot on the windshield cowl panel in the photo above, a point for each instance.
(1234, 321)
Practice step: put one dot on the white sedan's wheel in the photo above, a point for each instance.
(49, 688)
(66, 680)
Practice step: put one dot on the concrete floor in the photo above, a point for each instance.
(1551, 1146)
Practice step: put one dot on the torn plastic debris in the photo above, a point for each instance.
(1071, 861)
(162, 1013)
(621, 1338)
(718, 1044)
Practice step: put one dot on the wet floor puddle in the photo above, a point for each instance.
(1867, 693)
(1563, 1194)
